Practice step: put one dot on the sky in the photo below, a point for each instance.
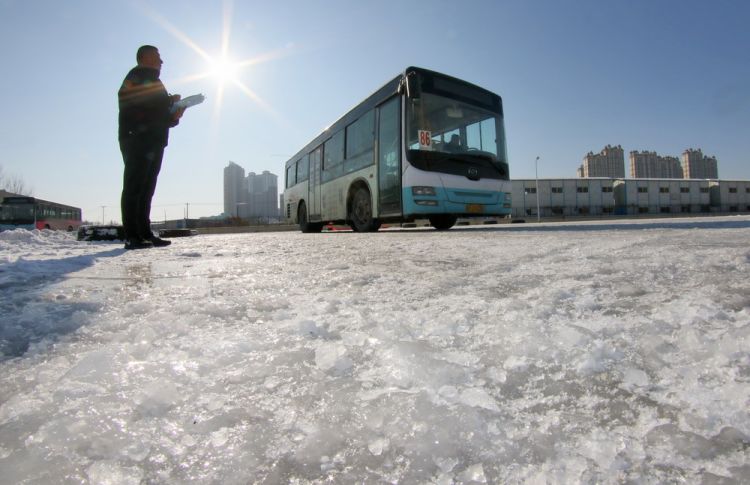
(556, 353)
(574, 77)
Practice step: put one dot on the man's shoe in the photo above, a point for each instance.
(159, 242)
(137, 244)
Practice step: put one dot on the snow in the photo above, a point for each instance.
(602, 352)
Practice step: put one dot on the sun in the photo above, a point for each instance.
(224, 70)
(227, 72)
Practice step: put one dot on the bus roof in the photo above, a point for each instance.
(389, 89)
(386, 91)
(16, 198)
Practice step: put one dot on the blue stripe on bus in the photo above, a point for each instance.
(465, 196)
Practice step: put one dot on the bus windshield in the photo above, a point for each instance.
(17, 213)
(453, 126)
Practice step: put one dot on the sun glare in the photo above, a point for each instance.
(224, 70)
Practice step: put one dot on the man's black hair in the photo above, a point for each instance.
(143, 50)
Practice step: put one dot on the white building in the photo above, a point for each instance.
(251, 197)
(608, 196)
(662, 196)
(235, 190)
(262, 193)
(563, 197)
(730, 195)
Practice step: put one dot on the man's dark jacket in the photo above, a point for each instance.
(145, 114)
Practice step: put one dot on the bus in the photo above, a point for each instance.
(423, 146)
(32, 213)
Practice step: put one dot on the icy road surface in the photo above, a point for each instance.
(554, 353)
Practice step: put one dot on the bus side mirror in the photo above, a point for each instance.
(412, 85)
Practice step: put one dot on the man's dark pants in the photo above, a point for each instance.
(142, 165)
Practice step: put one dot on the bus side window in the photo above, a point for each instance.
(303, 172)
(360, 142)
(290, 176)
(333, 157)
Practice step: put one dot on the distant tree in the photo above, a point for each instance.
(13, 183)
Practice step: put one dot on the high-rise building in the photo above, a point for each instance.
(649, 165)
(235, 190)
(262, 190)
(610, 162)
(254, 196)
(695, 165)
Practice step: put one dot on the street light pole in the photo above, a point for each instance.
(536, 170)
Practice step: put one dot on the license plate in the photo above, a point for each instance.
(474, 208)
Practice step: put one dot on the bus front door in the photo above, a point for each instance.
(389, 151)
(314, 185)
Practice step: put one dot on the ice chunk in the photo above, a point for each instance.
(332, 358)
(516, 363)
(473, 474)
(633, 378)
(378, 446)
(599, 359)
(479, 398)
(111, 473)
(309, 328)
(446, 465)
(93, 367)
(219, 438)
(158, 398)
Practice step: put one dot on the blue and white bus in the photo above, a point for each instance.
(424, 146)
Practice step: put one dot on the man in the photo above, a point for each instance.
(454, 145)
(146, 115)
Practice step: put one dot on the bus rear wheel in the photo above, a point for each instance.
(443, 222)
(360, 212)
(304, 224)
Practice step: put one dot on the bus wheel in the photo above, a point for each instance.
(443, 222)
(46, 226)
(305, 225)
(360, 215)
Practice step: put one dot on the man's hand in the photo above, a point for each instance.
(177, 114)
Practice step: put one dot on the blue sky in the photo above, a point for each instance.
(662, 75)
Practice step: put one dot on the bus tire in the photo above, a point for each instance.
(360, 212)
(443, 222)
(304, 224)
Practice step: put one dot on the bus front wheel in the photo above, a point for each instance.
(360, 213)
(443, 222)
(304, 224)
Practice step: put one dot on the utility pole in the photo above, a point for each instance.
(103, 206)
(536, 170)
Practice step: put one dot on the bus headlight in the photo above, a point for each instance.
(423, 191)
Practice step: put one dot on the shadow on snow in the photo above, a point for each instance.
(28, 317)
